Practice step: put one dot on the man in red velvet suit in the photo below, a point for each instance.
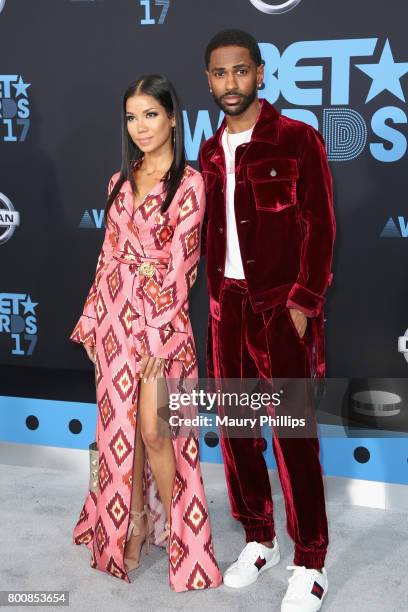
(268, 235)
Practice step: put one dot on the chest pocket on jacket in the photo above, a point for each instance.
(274, 183)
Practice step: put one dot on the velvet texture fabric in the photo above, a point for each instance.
(285, 219)
(286, 230)
(245, 344)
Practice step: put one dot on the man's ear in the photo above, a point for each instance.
(260, 73)
(208, 78)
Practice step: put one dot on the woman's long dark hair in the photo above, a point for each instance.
(162, 90)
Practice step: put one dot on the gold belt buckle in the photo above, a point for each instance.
(146, 268)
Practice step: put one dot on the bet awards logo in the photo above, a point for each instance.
(14, 108)
(2, 3)
(9, 219)
(276, 8)
(377, 123)
(19, 320)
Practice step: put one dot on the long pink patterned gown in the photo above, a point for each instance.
(127, 313)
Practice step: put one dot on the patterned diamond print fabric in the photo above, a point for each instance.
(125, 314)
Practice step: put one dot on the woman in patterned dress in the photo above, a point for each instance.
(135, 327)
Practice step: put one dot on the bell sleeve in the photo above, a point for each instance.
(84, 330)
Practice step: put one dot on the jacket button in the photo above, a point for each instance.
(273, 172)
(219, 269)
(216, 311)
(244, 220)
(250, 260)
(220, 229)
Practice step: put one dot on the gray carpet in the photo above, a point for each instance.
(366, 564)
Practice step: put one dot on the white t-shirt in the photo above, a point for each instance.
(233, 262)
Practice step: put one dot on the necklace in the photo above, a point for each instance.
(161, 172)
(143, 169)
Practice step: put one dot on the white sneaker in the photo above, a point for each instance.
(306, 590)
(253, 560)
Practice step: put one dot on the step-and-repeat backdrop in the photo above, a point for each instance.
(64, 65)
(340, 66)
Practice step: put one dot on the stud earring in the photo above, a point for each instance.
(211, 90)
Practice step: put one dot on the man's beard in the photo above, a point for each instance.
(246, 101)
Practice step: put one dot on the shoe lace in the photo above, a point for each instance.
(136, 521)
(250, 554)
(300, 582)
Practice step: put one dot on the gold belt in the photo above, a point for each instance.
(144, 268)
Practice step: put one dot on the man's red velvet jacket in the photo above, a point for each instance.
(284, 214)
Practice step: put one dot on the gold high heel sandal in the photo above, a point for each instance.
(134, 529)
(165, 535)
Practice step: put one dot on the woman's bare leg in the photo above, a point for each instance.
(155, 434)
(152, 435)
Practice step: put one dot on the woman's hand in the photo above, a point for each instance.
(151, 367)
(90, 350)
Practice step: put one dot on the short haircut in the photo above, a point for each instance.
(229, 38)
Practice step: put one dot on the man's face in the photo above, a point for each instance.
(233, 77)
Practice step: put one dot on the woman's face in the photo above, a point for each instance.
(148, 124)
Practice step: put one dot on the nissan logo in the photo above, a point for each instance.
(274, 9)
(9, 219)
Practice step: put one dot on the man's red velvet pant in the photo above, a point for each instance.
(265, 345)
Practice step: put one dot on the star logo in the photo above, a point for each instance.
(21, 87)
(29, 306)
(385, 75)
